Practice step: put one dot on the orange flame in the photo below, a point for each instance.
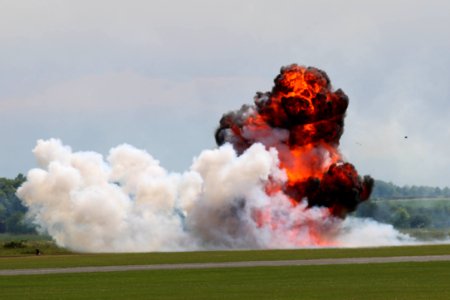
(303, 118)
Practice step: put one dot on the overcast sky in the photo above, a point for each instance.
(159, 75)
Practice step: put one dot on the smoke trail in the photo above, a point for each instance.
(277, 180)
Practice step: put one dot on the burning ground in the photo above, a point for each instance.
(277, 180)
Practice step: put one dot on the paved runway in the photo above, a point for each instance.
(306, 262)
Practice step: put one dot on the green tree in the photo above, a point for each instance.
(401, 218)
(420, 221)
(12, 212)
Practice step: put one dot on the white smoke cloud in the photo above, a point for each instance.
(358, 232)
(129, 203)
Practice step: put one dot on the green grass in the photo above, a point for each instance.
(371, 281)
(76, 260)
(429, 280)
(26, 244)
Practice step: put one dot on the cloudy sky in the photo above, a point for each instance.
(159, 75)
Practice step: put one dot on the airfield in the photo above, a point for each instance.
(403, 272)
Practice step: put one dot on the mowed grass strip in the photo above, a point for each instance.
(429, 280)
(78, 260)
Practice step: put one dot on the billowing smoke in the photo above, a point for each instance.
(303, 118)
(277, 180)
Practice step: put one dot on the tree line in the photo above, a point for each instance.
(407, 214)
(12, 212)
(388, 190)
(389, 204)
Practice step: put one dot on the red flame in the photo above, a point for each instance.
(303, 118)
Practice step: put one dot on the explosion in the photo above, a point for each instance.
(277, 180)
(303, 119)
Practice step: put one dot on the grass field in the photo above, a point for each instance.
(430, 280)
(26, 244)
(377, 281)
(76, 260)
